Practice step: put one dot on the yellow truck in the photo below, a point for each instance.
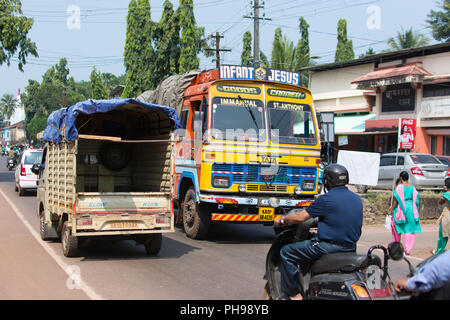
(106, 171)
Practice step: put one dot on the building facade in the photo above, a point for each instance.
(369, 95)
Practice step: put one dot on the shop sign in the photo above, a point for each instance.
(436, 107)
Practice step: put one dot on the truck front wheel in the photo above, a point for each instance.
(69, 242)
(153, 244)
(196, 219)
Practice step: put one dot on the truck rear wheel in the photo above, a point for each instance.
(46, 232)
(69, 242)
(153, 244)
(196, 219)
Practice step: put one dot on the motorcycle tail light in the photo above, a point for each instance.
(380, 293)
(360, 291)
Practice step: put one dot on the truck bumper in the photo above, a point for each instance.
(245, 209)
(252, 201)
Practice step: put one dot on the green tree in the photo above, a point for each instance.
(283, 52)
(192, 41)
(36, 125)
(246, 55)
(98, 89)
(57, 89)
(264, 60)
(407, 39)
(14, 29)
(439, 21)
(7, 105)
(167, 42)
(62, 72)
(302, 55)
(139, 55)
(369, 52)
(344, 48)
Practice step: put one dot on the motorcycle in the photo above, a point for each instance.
(11, 164)
(337, 276)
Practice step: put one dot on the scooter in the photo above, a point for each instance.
(337, 276)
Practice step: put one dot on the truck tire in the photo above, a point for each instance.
(153, 244)
(196, 219)
(114, 156)
(69, 242)
(46, 232)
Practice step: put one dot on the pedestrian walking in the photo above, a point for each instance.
(405, 212)
(444, 220)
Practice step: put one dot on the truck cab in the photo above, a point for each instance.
(250, 138)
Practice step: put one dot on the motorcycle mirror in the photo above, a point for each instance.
(396, 251)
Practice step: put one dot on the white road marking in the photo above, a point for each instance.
(66, 267)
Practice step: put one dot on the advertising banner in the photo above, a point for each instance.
(406, 133)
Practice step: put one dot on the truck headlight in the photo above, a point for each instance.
(308, 185)
(242, 187)
(298, 190)
(221, 182)
(274, 202)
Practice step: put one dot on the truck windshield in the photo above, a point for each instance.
(238, 119)
(291, 123)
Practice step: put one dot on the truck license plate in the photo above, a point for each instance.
(123, 225)
(266, 214)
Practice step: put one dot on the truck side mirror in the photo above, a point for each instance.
(36, 169)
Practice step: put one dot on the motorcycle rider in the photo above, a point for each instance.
(340, 217)
(433, 275)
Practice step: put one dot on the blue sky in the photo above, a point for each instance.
(98, 39)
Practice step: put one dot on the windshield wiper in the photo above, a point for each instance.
(251, 113)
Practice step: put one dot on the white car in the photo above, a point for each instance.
(24, 179)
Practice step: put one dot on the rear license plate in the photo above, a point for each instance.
(266, 214)
(124, 225)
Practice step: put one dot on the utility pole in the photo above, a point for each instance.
(218, 50)
(256, 18)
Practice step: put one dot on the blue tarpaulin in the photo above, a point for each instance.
(61, 123)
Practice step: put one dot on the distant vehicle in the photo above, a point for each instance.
(425, 171)
(445, 160)
(24, 179)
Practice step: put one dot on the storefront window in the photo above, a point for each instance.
(398, 98)
(436, 90)
(433, 144)
(446, 146)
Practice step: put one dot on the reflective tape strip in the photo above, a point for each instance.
(226, 172)
(239, 217)
(302, 175)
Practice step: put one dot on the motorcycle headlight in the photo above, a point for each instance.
(221, 182)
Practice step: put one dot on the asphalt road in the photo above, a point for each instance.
(227, 266)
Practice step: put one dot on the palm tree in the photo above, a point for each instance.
(408, 39)
(283, 52)
(7, 105)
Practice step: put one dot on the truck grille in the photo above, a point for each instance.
(249, 173)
